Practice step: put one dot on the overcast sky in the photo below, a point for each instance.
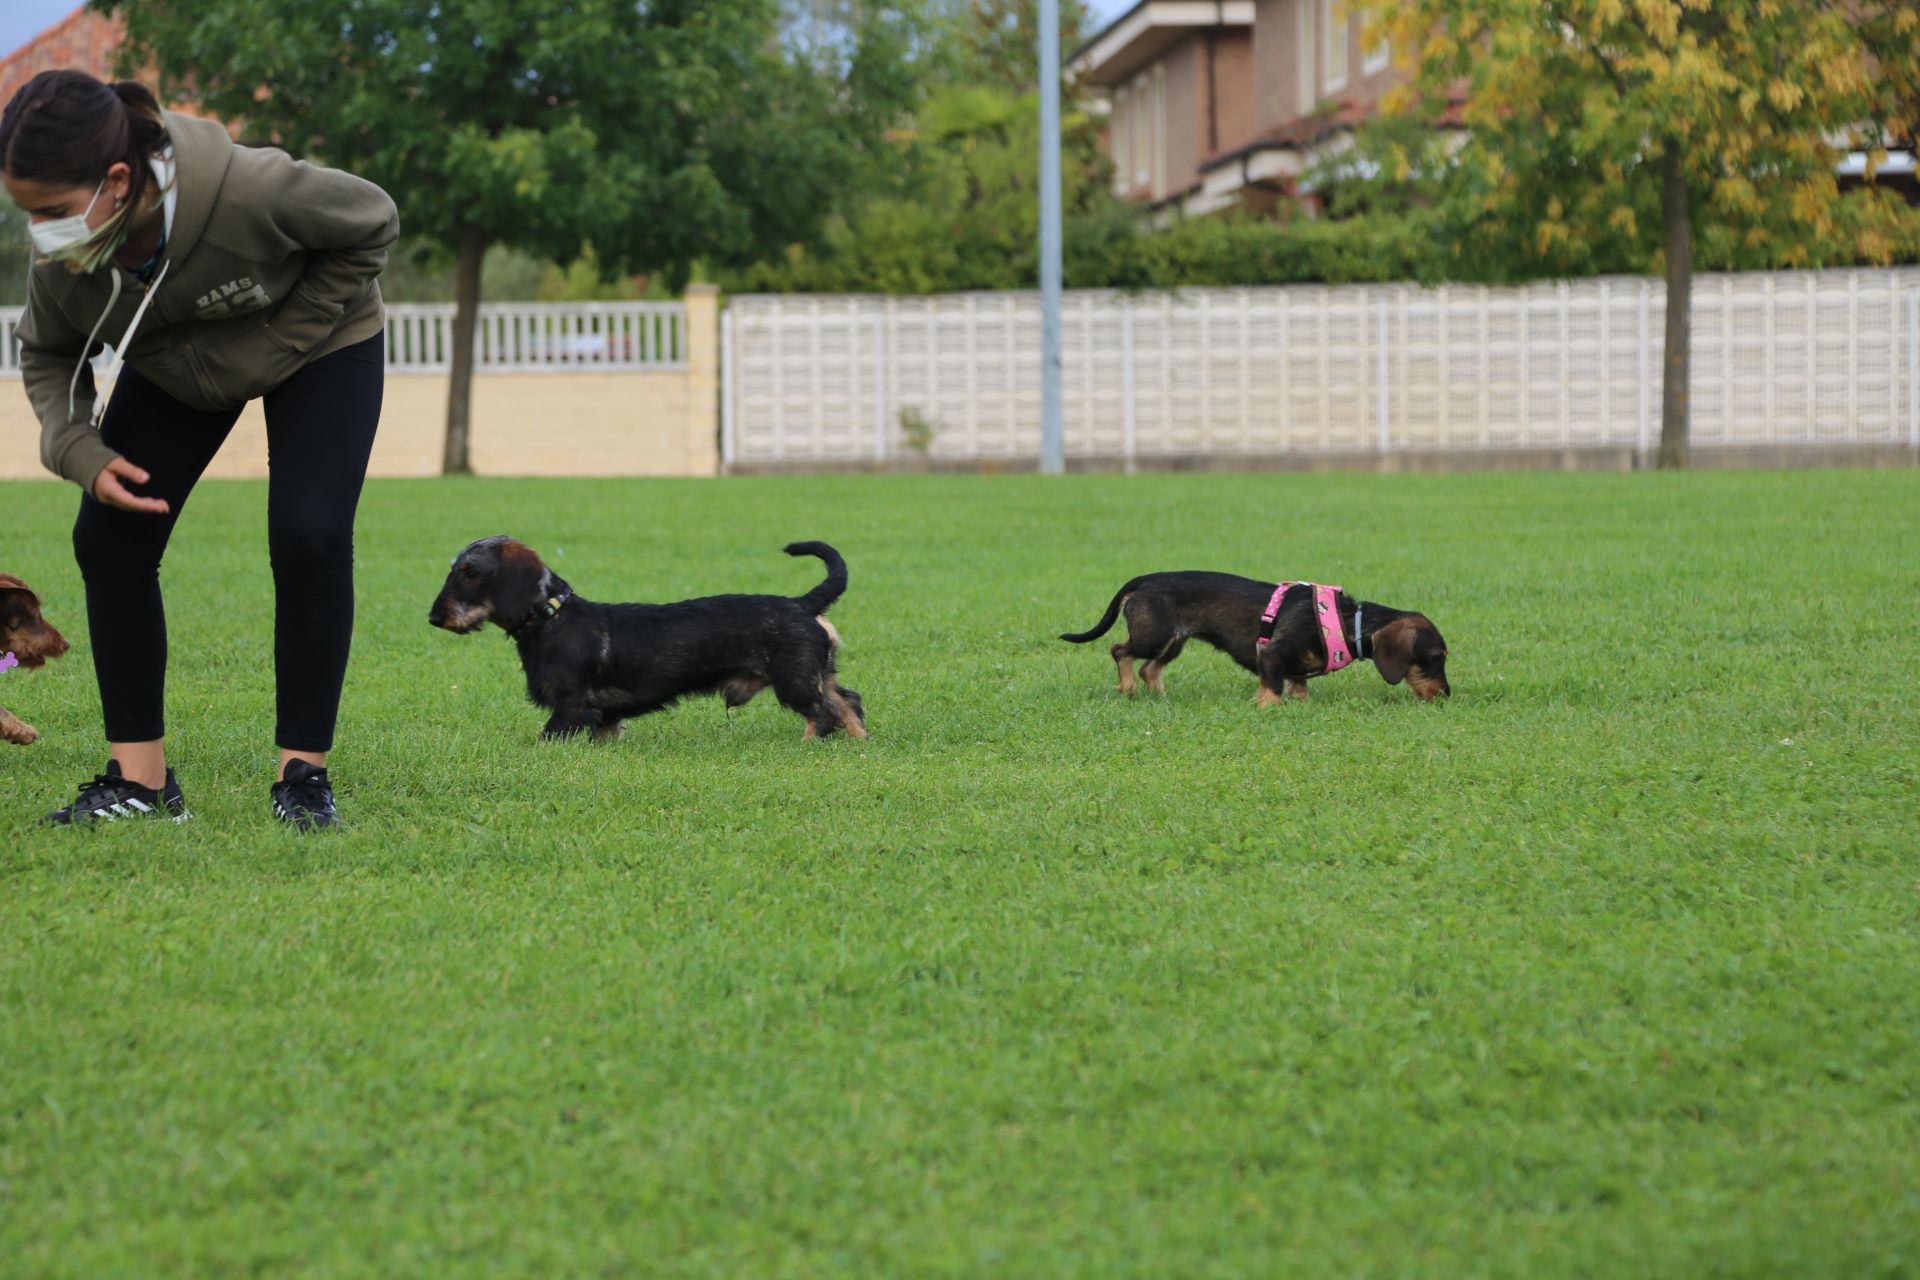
(22, 20)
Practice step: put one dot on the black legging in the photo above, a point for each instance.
(320, 426)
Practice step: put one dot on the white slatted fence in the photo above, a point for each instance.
(1778, 358)
(541, 337)
(511, 337)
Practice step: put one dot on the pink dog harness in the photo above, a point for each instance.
(1327, 609)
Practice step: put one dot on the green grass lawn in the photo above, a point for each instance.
(1609, 965)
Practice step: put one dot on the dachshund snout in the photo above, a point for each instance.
(455, 616)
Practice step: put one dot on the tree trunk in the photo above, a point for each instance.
(1676, 384)
(466, 316)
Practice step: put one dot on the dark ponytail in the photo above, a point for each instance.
(67, 127)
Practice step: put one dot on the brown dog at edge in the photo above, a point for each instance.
(32, 641)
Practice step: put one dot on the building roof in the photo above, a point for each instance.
(1147, 30)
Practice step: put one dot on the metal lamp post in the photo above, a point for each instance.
(1052, 446)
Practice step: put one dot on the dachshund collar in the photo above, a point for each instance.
(1327, 611)
(541, 612)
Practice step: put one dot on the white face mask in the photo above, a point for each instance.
(68, 239)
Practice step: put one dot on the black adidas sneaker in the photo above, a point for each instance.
(303, 798)
(109, 797)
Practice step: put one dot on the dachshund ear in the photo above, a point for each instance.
(10, 583)
(517, 584)
(1393, 649)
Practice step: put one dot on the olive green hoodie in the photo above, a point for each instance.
(270, 263)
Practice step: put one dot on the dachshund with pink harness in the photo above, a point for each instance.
(1286, 633)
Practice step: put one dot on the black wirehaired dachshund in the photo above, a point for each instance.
(594, 665)
(1165, 610)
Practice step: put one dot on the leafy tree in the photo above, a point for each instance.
(660, 133)
(1632, 131)
(963, 212)
(423, 271)
(952, 204)
(965, 218)
(997, 42)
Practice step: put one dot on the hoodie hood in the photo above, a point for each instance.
(201, 153)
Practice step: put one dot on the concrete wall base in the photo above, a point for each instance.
(1740, 457)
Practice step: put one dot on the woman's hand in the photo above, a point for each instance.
(108, 487)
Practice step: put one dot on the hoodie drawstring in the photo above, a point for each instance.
(112, 375)
(73, 383)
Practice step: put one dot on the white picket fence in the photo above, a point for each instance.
(541, 337)
(511, 337)
(1779, 358)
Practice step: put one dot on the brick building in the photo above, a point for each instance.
(1227, 103)
(84, 40)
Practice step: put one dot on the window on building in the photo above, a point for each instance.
(1333, 22)
(1378, 58)
(1122, 140)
